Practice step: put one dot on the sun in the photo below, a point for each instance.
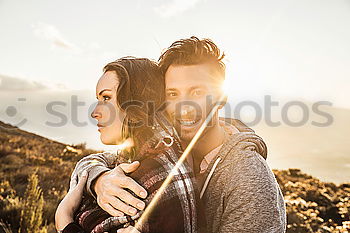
(226, 88)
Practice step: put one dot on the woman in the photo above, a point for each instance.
(128, 92)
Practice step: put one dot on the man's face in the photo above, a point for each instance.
(191, 91)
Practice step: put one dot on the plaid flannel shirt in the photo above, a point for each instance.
(176, 210)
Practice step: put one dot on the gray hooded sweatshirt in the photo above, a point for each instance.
(242, 194)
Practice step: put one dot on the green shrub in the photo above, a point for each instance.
(32, 211)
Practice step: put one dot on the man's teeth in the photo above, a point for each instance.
(182, 122)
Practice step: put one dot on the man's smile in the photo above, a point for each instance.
(188, 123)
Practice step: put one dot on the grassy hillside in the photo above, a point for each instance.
(312, 205)
(21, 153)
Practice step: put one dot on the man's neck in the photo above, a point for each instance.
(213, 138)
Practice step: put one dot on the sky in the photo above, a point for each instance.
(291, 48)
(288, 49)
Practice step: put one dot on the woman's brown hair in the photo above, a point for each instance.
(140, 93)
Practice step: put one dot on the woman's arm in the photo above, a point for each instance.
(66, 208)
(95, 165)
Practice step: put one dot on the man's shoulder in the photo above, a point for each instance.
(241, 138)
(243, 155)
(237, 124)
(248, 177)
(243, 147)
(244, 164)
(243, 159)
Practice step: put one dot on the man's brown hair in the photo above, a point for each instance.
(193, 51)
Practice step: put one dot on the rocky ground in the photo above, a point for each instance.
(312, 205)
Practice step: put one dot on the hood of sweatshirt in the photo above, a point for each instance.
(246, 139)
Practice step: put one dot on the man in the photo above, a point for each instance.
(238, 189)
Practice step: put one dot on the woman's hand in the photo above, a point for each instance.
(67, 207)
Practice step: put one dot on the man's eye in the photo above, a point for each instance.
(105, 98)
(171, 94)
(197, 93)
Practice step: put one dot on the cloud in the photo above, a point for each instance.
(8, 83)
(174, 7)
(52, 34)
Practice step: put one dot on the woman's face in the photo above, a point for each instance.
(107, 113)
